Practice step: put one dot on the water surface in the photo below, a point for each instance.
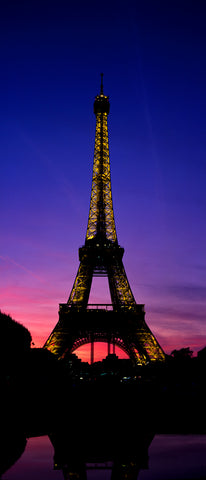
(171, 457)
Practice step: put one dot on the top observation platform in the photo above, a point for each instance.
(101, 103)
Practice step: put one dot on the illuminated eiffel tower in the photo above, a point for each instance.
(122, 323)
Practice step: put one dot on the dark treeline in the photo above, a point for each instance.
(41, 395)
(29, 386)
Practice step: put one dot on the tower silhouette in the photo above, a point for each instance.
(122, 322)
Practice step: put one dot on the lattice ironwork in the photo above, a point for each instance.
(79, 295)
(126, 329)
(101, 216)
(102, 255)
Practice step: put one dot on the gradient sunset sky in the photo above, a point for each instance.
(153, 55)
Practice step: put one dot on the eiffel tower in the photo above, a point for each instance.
(122, 322)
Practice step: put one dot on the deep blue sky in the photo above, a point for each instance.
(153, 55)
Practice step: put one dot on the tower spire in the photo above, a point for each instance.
(101, 88)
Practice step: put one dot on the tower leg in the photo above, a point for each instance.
(92, 352)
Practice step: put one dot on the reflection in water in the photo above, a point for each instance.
(124, 463)
(170, 457)
(126, 456)
(36, 463)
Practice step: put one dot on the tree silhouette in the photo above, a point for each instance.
(15, 343)
(182, 354)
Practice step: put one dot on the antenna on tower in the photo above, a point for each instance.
(101, 89)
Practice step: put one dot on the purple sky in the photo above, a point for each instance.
(153, 55)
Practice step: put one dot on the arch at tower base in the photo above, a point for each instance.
(126, 328)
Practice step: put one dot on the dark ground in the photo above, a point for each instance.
(41, 395)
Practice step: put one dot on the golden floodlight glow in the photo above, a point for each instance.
(123, 324)
(101, 215)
